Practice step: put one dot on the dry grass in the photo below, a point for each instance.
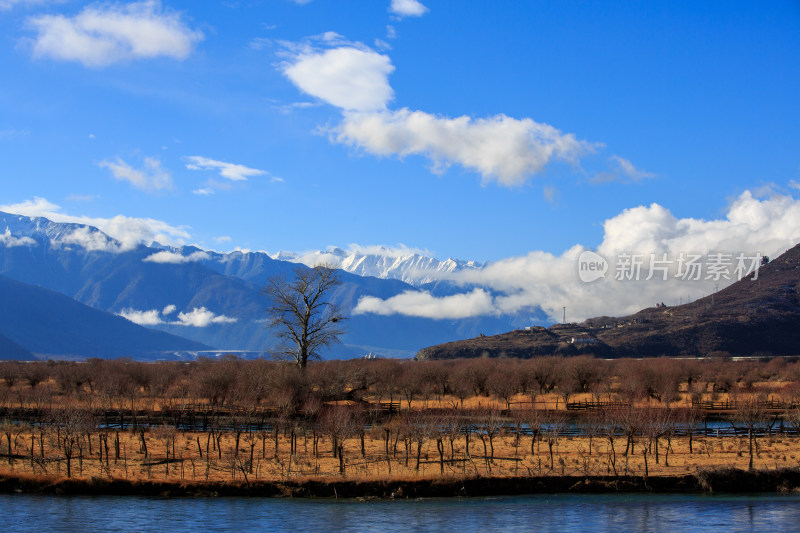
(571, 456)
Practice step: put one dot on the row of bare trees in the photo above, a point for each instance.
(455, 441)
(230, 381)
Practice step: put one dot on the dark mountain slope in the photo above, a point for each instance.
(11, 351)
(750, 317)
(48, 323)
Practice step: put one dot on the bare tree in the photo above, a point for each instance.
(340, 422)
(71, 424)
(504, 382)
(302, 314)
(750, 413)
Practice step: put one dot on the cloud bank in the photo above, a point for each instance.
(90, 239)
(751, 225)
(143, 318)
(499, 148)
(128, 231)
(9, 241)
(202, 317)
(198, 317)
(175, 258)
(102, 34)
(424, 304)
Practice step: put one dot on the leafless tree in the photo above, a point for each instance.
(750, 414)
(301, 313)
(10, 373)
(340, 422)
(504, 382)
(71, 424)
(489, 425)
(541, 373)
(555, 422)
(409, 384)
(630, 421)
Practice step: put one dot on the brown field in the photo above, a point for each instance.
(187, 456)
(312, 426)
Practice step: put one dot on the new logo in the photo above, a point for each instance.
(591, 266)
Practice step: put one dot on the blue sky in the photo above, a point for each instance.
(476, 130)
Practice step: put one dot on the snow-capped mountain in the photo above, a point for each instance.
(404, 264)
(216, 298)
(19, 230)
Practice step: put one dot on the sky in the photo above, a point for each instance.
(478, 130)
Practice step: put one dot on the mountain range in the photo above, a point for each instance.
(214, 299)
(758, 315)
(405, 265)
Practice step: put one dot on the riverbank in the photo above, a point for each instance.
(728, 480)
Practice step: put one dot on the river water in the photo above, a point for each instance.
(568, 512)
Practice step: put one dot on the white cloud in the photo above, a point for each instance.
(229, 171)
(407, 8)
(9, 241)
(391, 32)
(630, 171)
(794, 184)
(151, 177)
(32, 208)
(222, 238)
(202, 317)
(424, 304)
(198, 317)
(351, 76)
(769, 226)
(129, 231)
(143, 318)
(204, 191)
(103, 34)
(174, 258)
(89, 239)
(500, 148)
(355, 78)
(624, 171)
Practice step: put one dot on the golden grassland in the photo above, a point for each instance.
(296, 452)
(176, 456)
